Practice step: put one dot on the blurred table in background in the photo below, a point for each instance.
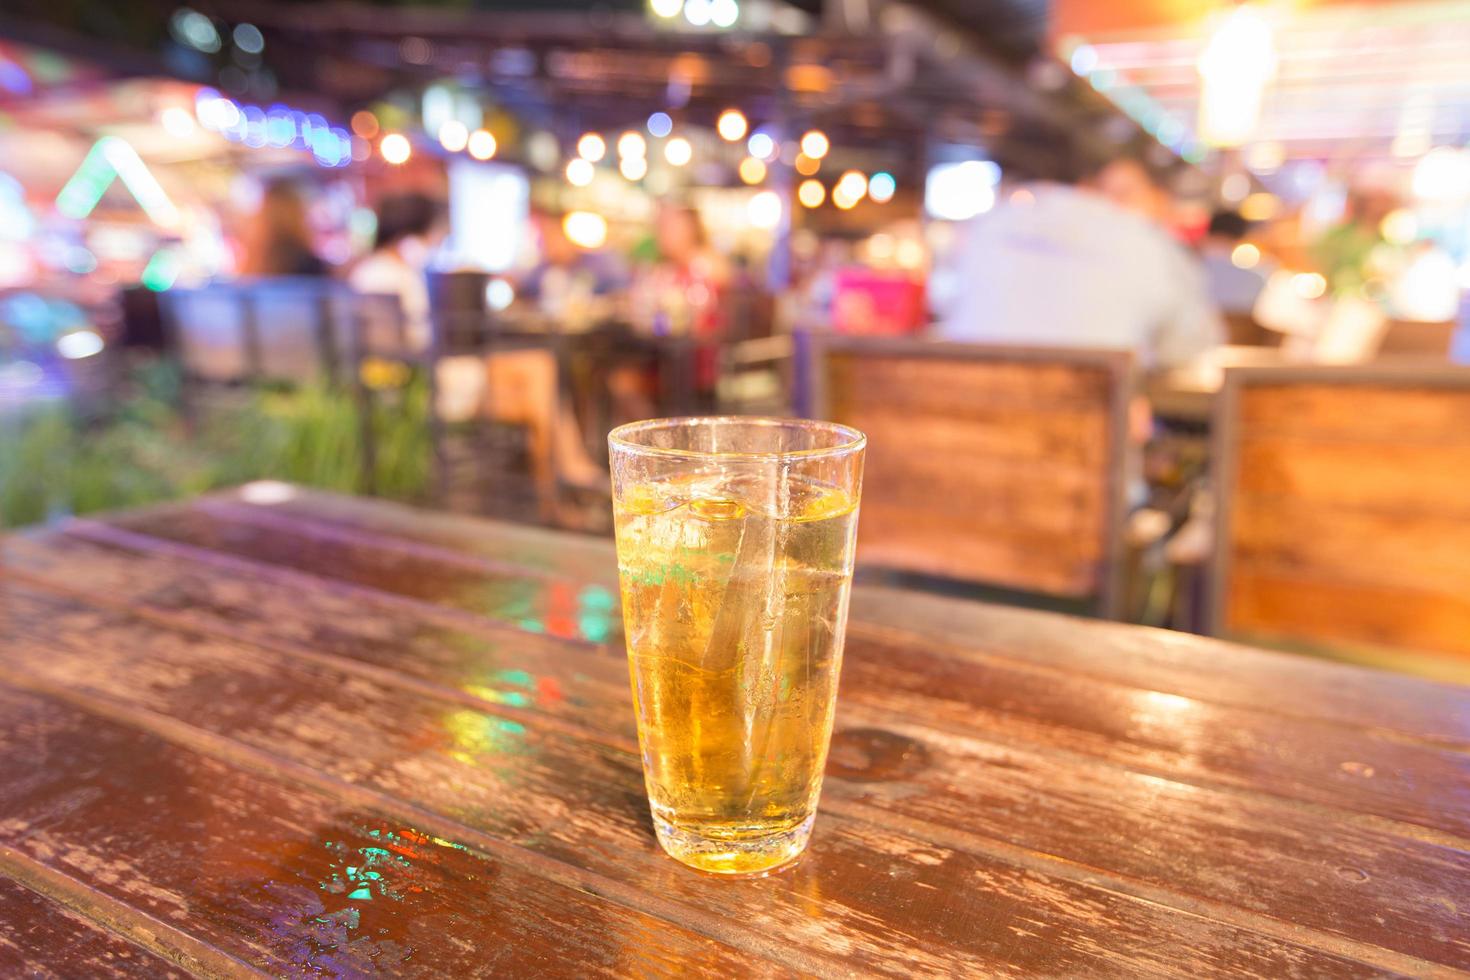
(281, 730)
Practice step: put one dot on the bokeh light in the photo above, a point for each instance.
(678, 151)
(732, 125)
(395, 148)
(591, 147)
(584, 228)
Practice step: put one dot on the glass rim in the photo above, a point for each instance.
(619, 438)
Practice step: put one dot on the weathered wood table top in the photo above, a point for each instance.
(284, 732)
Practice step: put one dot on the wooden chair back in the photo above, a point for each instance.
(1344, 506)
(997, 465)
(1417, 338)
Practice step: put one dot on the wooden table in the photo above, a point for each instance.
(299, 734)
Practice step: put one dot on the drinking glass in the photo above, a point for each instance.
(735, 551)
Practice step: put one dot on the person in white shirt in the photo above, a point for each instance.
(1087, 266)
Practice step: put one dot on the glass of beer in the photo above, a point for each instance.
(735, 552)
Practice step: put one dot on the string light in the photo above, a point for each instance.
(584, 228)
(591, 147)
(724, 13)
(764, 209)
(454, 135)
(678, 151)
(1308, 285)
(807, 166)
(666, 8)
(732, 125)
(752, 171)
(882, 186)
(853, 184)
(395, 149)
(632, 144)
(660, 124)
(634, 168)
(811, 193)
(1245, 256)
(482, 144)
(815, 144)
(579, 172)
(761, 145)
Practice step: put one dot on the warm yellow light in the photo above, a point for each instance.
(634, 168)
(1260, 206)
(585, 229)
(453, 135)
(814, 144)
(732, 125)
(1235, 67)
(395, 148)
(853, 184)
(752, 171)
(910, 254)
(482, 144)
(1308, 285)
(591, 147)
(632, 144)
(678, 151)
(1399, 227)
(666, 8)
(579, 172)
(764, 210)
(844, 198)
(811, 193)
(1245, 256)
(806, 166)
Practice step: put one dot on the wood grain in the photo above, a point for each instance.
(579, 802)
(982, 468)
(45, 941)
(1117, 722)
(216, 691)
(1348, 519)
(292, 880)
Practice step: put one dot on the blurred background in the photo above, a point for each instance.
(434, 251)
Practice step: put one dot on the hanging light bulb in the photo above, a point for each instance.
(1235, 67)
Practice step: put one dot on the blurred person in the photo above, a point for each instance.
(410, 227)
(278, 240)
(1347, 253)
(679, 291)
(1234, 289)
(1084, 266)
(1131, 185)
(570, 284)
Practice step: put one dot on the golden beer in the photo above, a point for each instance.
(735, 587)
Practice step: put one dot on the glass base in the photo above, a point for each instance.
(752, 858)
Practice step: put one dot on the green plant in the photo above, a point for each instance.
(54, 462)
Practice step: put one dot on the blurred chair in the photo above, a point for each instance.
(1417, 338)
(230, 337)
(284, 330)
(999, 466)
(1242, 330)
(481, 464)
(1343, 508)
